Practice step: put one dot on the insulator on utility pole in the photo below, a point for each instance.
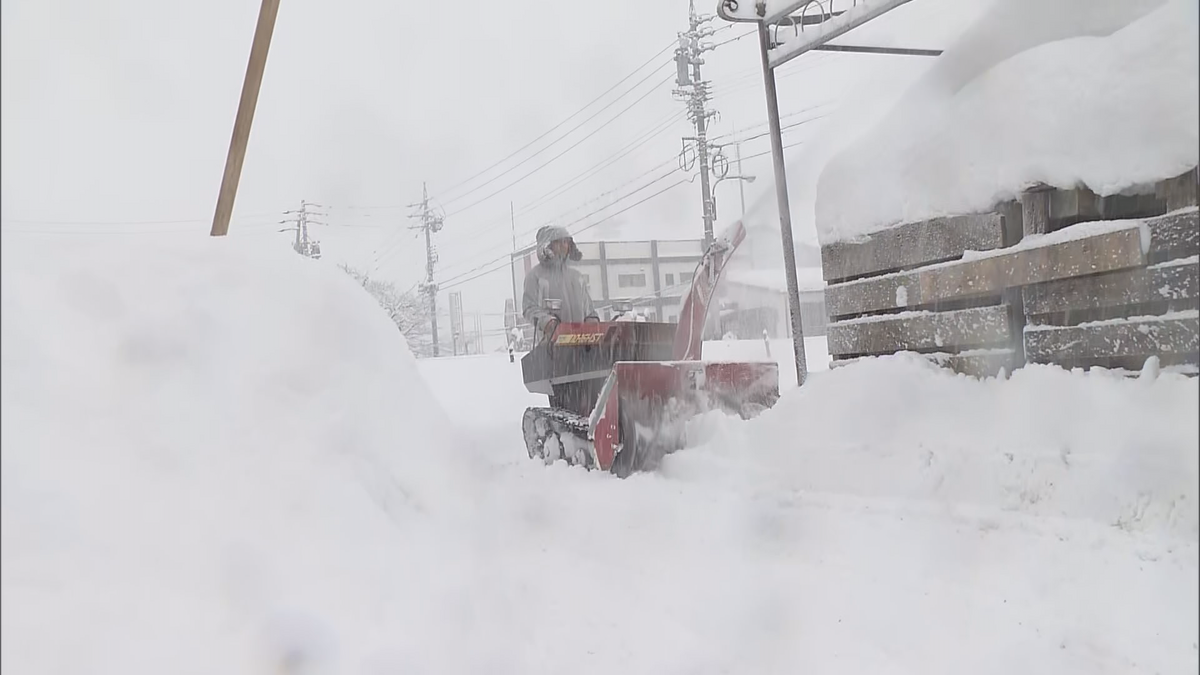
(683, 77)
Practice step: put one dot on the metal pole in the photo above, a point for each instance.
(245, 117)
(741, 183)
(785, 212)
(432, 293)
(512, 266)
(299, 223)
(700, 93)
(425, 222)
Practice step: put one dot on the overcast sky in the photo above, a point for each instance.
(117, 117)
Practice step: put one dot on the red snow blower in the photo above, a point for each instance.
(621, 392)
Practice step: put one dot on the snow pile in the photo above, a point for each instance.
(205, 444)
(816, 354)
(742, 556)
(1046, 442)
(1065, 93)
(220, 458)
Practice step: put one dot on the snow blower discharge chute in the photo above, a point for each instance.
(621, 392)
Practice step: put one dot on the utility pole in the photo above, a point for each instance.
(304, 246)
(430, 222)
(694, 90)
(245, 116)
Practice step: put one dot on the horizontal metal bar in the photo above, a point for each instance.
(863, 49)
(830, 30)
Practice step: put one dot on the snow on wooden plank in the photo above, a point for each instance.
(1059, 255)
(979, 326)
(913, 244)
(1176, 233)
(979, 362)
(1174, 333)
(1114, 289)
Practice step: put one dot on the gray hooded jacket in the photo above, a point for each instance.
(553, 278)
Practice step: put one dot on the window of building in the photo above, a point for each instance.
(631, 280)
(670, 279)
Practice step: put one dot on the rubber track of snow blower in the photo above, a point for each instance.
(552, 434)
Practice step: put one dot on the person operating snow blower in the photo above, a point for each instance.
(555, 281)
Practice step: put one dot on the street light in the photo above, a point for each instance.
(742, 180)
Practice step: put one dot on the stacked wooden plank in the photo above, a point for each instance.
(1063, 276)
(1145, 305)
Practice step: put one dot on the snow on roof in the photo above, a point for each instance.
(1067, 92)
(808, 279)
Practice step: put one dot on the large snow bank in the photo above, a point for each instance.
(1067, 92)
(217, 459)
(201, 437)
(1047, 442)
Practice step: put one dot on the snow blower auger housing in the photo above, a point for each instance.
(621, 392)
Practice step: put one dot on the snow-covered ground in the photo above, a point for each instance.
(1063, 92)
(220, 458)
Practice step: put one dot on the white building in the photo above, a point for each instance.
(754, 287)
(654, 275)
(756, 300)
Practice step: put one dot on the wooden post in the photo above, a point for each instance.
(1035, 210)
(245, 116)
(1181, 191)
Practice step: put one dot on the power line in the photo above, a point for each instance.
(569, 118)
(783, 128)
(527, 232)
(734, 39)
(610, 205)
(790, 115)
(638, 142)
(22, 221)
(565, 151)
(592, 201)
(562, 188)
(672, 186)
(551, 144)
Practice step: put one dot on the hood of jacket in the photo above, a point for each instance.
(552, 233)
